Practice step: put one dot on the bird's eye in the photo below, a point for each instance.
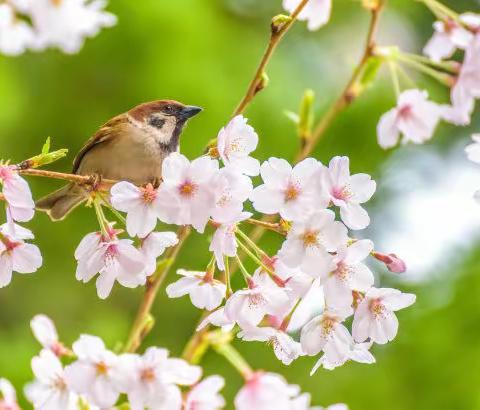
(168, 108)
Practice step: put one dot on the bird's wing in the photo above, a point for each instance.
(103, 135)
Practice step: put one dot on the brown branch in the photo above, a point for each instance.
(278, 30)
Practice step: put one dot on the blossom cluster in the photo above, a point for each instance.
(40, 24)
(89, 376)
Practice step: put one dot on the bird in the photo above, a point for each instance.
(129, 147)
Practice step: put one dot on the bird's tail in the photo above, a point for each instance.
(60, 203)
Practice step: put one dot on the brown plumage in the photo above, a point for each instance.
(131, 147)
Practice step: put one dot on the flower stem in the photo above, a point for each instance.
(227, 277)
(255, 259)
(251, 243)
(102, 220)
(234, 358)
(246, 275)
(117, 214)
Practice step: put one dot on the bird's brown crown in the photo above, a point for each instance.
(168, 107)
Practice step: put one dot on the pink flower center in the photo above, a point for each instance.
(9, 245)
(5, 174)
(256, 300)
(292, 192)
(8, 406)
(376, 307)
(187, 189)
(147, 375)
(149, 194)
(101, 368)
(59, 383)
(342, 193)
(342, 272)
(405, 112)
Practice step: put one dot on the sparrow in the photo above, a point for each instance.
(130, 147)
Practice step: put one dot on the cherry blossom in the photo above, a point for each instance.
(358, 352)
(288, 191)
(315, 12)
(205, 291)
(17, 194)
(247, 307)
(473, 150)
(217, 318)
(45, 332)
(313, 238)
(414, 117)
(348, 192)
(95, 373)
(153, 246)
(15, 254)
(297, 281)
(235, 142)
(186, 195)
(49, 390)
(8, 396)
(349, 274)
(392, 262)
(205, 395)
(326, 333)
(140, 203)
(114, 259)
(15, 35)
(450, 35)
(224, 242)
(375, 317)
(285, 348)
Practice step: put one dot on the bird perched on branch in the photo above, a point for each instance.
(131, 147)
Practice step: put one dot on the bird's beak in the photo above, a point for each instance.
(189, 111)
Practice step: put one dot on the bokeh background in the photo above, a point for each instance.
(204, 52)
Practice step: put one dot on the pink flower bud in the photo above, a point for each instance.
(392, 261)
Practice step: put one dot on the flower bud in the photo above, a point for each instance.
(392, 261)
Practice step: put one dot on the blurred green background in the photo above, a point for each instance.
(203, 52)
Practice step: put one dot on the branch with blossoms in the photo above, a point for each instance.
(316, 209)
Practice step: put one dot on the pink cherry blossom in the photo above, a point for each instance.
(141, 205)
(15, 35)
(473, 150)
(348, 191)
(205, 291)
(297, 281)
(313, 238)
(114, 259)
(17, 194)
(217, 318)
(392, 262)
(8, 396)
(291, 192)
(285, 348)
(50, 390)
(205, 395)
(414, 117)
(375, 317)
(15, 254)
(45, 332)
(95, 373)
(235, 142)
(358, 352)
(349, 274)
(186, 195)
(153, 246)
(316, 12)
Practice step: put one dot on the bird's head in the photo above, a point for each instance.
(163, 119)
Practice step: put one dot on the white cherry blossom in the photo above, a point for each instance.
(217, 318)
(153, 246)
(15, 35)
(348, 191)
(285, 348)
(45, 332)
(414, 117)
(17, 194)
(235, 142)
(316, 12)
(186, 195)
(473, 150)
(49, 390)
(359, 352)
(140, 204)
(291, 192)
(95, 373)
(15, 254)
(205, 291)
(8, 396)
(205, 395)
(375, 317)
(313, 238)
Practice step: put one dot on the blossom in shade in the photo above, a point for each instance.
(95, 372)
(349, 274)
(15, 35)
(235, 142)
(8, 396)
(114, 259)
(15, 254)
(359, 352)
(45, 332)
(288, 191)
(247, 307)
(153, 246)
(375, 318)
(205, 291)
(315, 12)
(313, 238)
(151, 380)
(348, 191)
(473, 149)
(327, 333)
(140, 204)
(186, 195)
(414, 117)
(285, 348)
(223, 241)
(205, 395)
(17, 194)
(50, 390)
(450, 35)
